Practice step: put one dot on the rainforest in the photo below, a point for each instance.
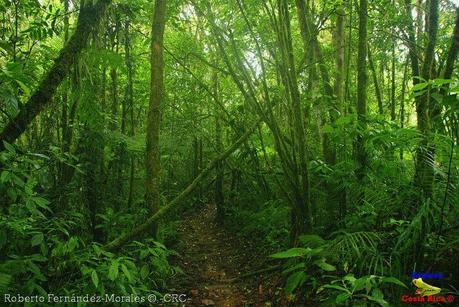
(229, 153)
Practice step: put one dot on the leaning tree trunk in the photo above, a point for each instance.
(89, 17)
(152, 158)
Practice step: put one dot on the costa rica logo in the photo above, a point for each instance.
(424, 289)
(426, 293)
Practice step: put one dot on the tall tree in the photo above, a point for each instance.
(128, 105)
(375, 82)
(301, 219)
(340, 51)
(152, 157)
(339, 57)
(424, 175)
(219, 169)
(361, 154)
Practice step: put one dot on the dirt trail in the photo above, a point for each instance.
(212, 260)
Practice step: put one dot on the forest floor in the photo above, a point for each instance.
(216, 265)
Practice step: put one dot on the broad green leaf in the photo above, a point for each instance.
(24, 87)
(439, 82)
(126, 272)
(420, 86)
(350, 277)
(455, 89)
(336, 287)
(95, 278)
(316, 251)
(39, 155)
(377, 293)
(17, 180)
(42, 203)
(393, 280)
(144, 271)
(360, 283)
(9, 147)
(4, 177)
(97, 249)
(293, 252)
(419, 93)
(113, 270)
(325, 266)
(72, 243)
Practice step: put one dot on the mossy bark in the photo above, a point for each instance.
(89, 17)
(152, 157)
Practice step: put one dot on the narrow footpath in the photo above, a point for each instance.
(215, 264)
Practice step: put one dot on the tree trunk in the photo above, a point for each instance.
(311, 44)
(392, 96)
(453, 50)
(66, 128)
(424, 174)
(446, 74)
(92, 155)
(361, 155)
(375, 82)
(152, 159)
(129, 106)
(219, 169)
(301, 219)
(339, 58)
(402, 101)
(340, 48)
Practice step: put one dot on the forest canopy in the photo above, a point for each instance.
(229, 153)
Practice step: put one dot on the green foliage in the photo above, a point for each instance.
(48, 257)
(75, 179)
(18, 185)
(143, 268)
(268, 223)
(352, 291)
(303, 265)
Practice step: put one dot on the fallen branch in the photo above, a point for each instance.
(143, 228)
